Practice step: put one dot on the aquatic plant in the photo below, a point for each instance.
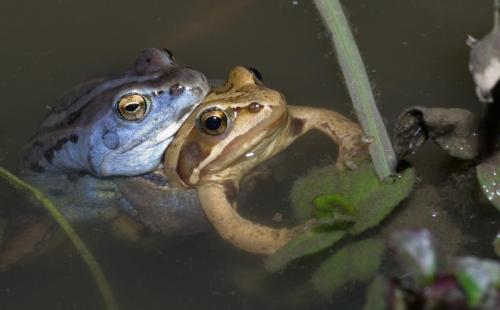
(341, 204)
(465, 283)
(488, 175)
(358, 85)
(457, 131)
(346, 203)
(81, 247)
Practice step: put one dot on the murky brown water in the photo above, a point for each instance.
(416, 54)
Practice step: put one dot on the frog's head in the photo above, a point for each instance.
(130, 120)
(235, 128)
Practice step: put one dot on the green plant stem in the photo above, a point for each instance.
(80, 246)
(358, 85)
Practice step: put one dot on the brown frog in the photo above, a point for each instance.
(238, 126)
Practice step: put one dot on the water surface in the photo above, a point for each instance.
(416, 54)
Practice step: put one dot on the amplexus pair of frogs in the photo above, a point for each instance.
(157, 147)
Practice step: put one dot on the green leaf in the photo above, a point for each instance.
(333, 210)
(348, 201)
(355, 262)
(477, 277)
(376, 296)
(358, 191)
(383, 295)
(471, 288)
(333, 221)
(333, 203)
(381, 201)
(308, 243)
(488, 175)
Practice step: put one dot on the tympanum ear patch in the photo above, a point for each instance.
(111, 140)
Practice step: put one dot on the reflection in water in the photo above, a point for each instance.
(415, 53)
(204, 19)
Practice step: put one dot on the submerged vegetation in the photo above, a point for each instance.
(431, 282)
(358, 85)
(81, 247)
(340, 206)
(344, 204)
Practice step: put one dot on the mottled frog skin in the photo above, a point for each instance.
(102, 132)
(118, 126)
(238, 126)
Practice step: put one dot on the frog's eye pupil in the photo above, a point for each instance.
(213, 122)
(132, 107)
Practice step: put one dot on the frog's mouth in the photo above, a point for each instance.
(161, 135)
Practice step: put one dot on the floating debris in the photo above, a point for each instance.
(454, 130)
(415, 253)
(466, 283)
(484, 62)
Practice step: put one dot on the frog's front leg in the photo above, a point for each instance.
(218, 200)
(346, 133)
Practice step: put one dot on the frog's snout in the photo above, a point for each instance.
(197, 91)
(183, 113)
(197, 81)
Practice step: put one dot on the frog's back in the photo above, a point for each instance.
(55, 124)
(87, 131)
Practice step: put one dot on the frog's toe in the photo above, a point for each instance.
(346, 161)
(410, 132)
(352, 153)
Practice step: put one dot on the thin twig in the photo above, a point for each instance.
(358, 85)
(88, 257)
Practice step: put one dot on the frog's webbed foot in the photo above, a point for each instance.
(25, 237)
(351, 151)
(454, 130)
(346, 133)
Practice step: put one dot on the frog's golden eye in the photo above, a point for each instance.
(256, 73)
(213, 121)
(132, 107)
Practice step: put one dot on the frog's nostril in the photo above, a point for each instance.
(176, 89)
(197, 91)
